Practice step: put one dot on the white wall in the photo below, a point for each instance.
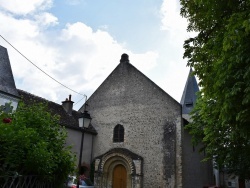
(74, 140)
(8, 99)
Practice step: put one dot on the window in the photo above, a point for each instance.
(189, 104)
(231, 184)
(118, 135)
(7, 108)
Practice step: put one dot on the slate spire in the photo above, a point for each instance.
(189, 94)
(7, 83)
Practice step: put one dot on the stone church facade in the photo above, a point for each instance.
(140, 134)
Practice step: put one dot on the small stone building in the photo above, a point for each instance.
(68, 120)
(141, 141)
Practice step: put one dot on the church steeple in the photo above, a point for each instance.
(189, 94)
(7, 83)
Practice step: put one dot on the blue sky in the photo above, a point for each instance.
(134, 22)
(79, 43)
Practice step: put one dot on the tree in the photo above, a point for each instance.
(33, 143)
(220, 57)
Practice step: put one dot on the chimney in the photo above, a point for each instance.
(68, 105)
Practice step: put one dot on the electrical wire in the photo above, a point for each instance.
(41, 69)
(79, 100)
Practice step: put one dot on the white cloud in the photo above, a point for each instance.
(23, 7)
(76, 55)
(46, 19)
(146, 61)
(17, 29)
(74, 2)
(81, 58)
(104, 27)
(171, 20)
(174, 79)
(93, 55)
(175, 73)
(173, 23)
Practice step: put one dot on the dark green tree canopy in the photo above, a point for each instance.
(220, 56)
(33, 143)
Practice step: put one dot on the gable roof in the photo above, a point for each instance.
(67, 120)
(122, 79)
(189, 95)
(7, 83)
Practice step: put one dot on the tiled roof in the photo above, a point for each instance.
(7, 83)
(67, 120)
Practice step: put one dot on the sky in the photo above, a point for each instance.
(80, 42)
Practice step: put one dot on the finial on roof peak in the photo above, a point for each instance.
(124, 58)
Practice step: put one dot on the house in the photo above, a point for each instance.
(69, 120)
(10, 96)
(141, 140)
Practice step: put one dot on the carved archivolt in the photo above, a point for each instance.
(118, 157)
(132, 160)
(105, 164)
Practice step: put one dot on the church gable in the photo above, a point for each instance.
(125, 85)
(148, 115)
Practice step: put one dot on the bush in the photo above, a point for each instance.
(33, 143)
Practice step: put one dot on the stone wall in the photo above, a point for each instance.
(195, 172)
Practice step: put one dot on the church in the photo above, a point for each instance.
(141, 139)
(137, 137)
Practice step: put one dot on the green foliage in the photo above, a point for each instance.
(33, 143)
(220, 56)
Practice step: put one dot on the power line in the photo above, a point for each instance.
(41, 69)
(80, 100)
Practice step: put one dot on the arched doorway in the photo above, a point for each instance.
(119, 177)
(118, 164)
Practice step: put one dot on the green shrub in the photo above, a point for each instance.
(33, 143)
